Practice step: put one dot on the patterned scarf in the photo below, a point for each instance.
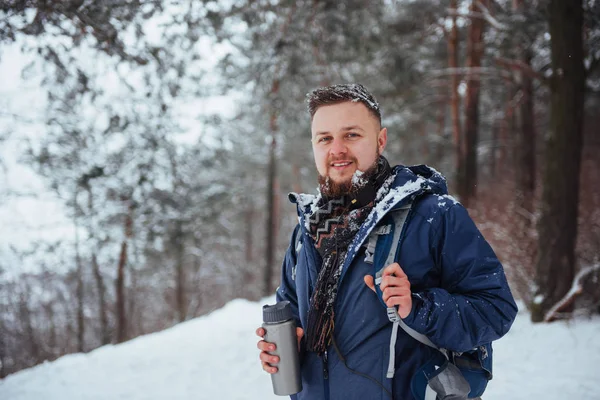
(333, 226)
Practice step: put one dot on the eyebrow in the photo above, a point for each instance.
(344, 129)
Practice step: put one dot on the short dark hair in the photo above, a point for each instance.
(354, 92)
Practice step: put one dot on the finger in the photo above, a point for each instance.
(401, 300)
(268, 358)
(393, 292)
(260, 332)
(265, 346)
(268, 368)
(394, 269)
(299, 334)
(392, 281)
(370, 283)
(404, 304)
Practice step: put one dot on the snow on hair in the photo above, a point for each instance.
(354, 92)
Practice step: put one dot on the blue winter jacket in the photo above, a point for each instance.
(461, 298)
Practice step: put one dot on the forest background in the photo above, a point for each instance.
(148, 148)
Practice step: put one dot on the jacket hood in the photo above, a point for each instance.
(436, 183)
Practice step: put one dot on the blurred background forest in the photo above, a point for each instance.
(164, 137)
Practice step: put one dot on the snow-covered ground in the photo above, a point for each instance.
(215, 357)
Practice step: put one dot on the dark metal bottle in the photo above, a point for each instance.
(280, 329)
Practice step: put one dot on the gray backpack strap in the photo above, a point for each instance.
(419, 336)
(399, 217)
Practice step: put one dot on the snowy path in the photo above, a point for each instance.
(215, 357)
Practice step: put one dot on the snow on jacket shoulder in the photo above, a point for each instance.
(460, 294)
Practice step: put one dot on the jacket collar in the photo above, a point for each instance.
(403, 186)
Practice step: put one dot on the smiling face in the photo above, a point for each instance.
(346, 137)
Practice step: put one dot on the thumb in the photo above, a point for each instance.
(370, 282)
(299, 333)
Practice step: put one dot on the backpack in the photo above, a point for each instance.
(463, 375)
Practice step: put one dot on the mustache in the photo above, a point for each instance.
(342, 158)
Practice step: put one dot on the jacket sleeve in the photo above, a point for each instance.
(474, 304)
(287, 286)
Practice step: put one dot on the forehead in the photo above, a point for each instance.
(332, 118)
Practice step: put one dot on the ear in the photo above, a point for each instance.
(382, 140)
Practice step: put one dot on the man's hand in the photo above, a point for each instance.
(267, 360)
(395, 288)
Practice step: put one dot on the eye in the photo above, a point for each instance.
(324, 139)
(352, 135)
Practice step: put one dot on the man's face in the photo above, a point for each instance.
(346, 137)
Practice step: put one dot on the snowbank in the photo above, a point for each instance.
(215, 357)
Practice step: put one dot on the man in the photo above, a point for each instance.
(447, 284)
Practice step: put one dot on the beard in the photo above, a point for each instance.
(359, 179)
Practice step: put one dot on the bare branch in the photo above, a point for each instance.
(489, 18)
(474, 72)
(517, 65)
(569, 298)
(454, 13)
(484, 15)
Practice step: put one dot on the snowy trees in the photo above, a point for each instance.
(117, 76)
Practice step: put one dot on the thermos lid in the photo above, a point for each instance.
(279, 312)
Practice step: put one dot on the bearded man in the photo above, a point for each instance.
(446, 284)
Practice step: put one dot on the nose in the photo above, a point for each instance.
(338, 147)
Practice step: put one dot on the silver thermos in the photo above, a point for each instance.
(280, 328)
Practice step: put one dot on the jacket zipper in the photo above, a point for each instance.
(325, 375)
(325, 366)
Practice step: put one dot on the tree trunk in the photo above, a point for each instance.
(68, 333)
(494, 152)
(33, 346)
(105, 333)
(475, 49)
(249, 231)
(525, 149)
(53, 350)
(180, 272)
(79, 290)
(506, 127)
(557, 226)
(441, 130)
(454, 98)
(135, 325)
(525, 146)
(119, 285)
(3, 352)
(272, 174)
(272, 223)
(249, 270)
(120, 281)
(100, 287)
(197, 264)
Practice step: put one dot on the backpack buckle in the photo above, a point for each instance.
(392, 314)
